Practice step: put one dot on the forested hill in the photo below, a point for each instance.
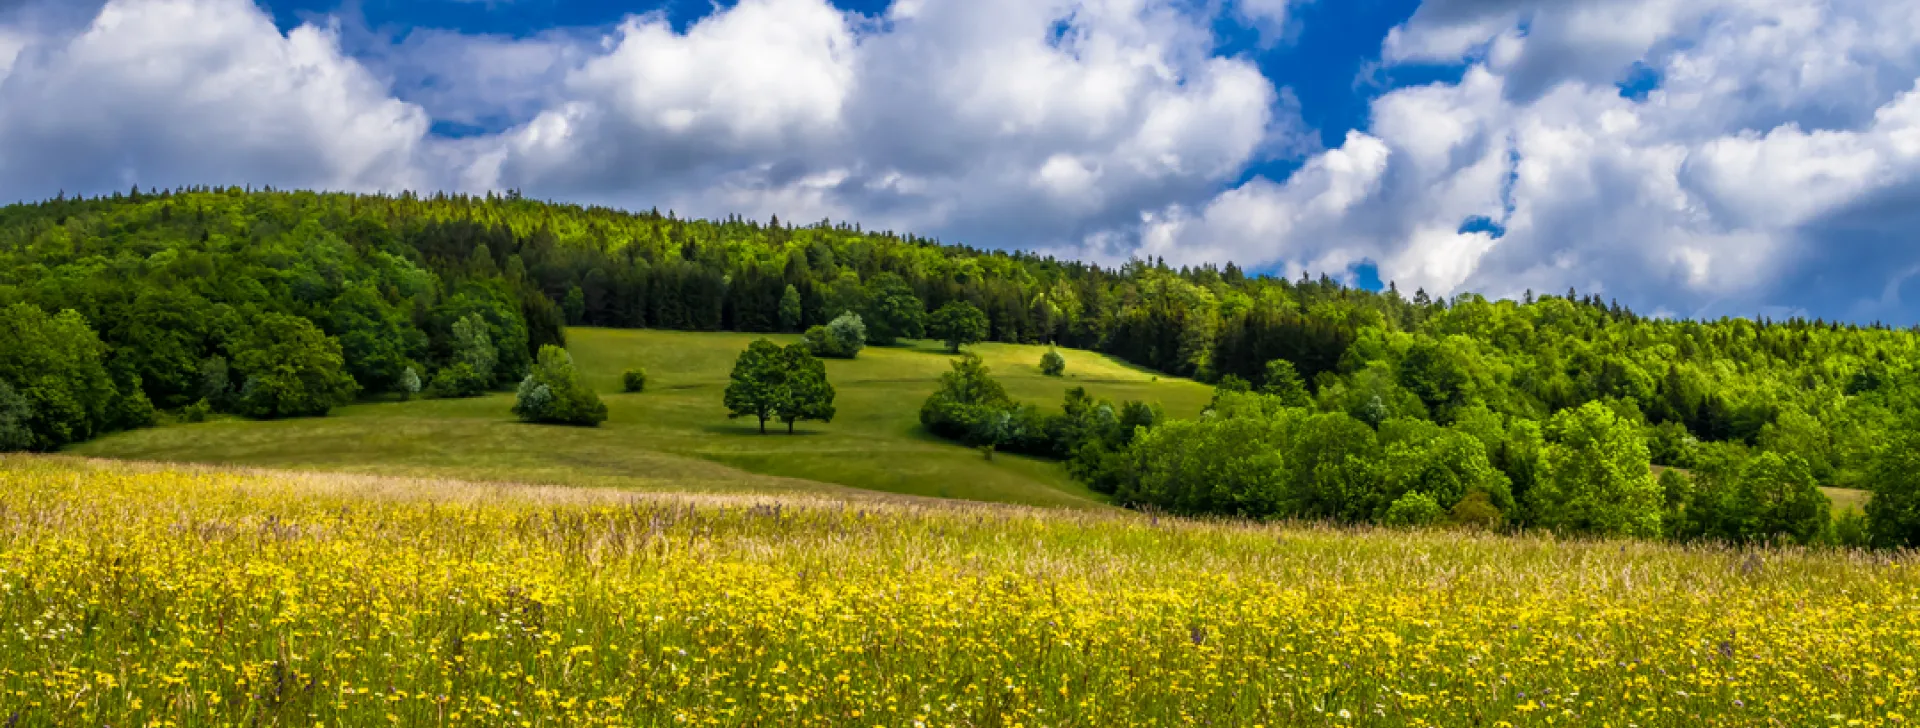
(197, 295)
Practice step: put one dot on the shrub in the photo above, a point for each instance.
(633, 380)
(842, 338)
(554, 393)
(458, 380)
(1477, 511)
(1413, 509)
(1053, 364)
(409, 383)
(196, 412)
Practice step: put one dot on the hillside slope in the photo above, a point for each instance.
(676, 435)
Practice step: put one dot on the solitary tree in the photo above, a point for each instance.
(759, 387)
(1053, 364)
(958, 323)
(809, 395)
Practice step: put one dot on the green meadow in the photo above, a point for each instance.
(676, 435)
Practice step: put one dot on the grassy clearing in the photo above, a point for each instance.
(197, 597)
(676, 435)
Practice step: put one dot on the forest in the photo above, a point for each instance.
(1557, 411)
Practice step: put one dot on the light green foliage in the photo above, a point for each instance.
(1596, 477)
(1893, 515)
(892, 310)
(458, 380)
(409, 382)
(1053, 364)
(53, 364)
(758, 386)
(554, 393)
(1444, 466)
(1412, 510)
(473, 346)
(958, 323)
(1228, 465)
(1373, 396)
(1282, 380)
(842, 338)
(289, 368)
(633, 380)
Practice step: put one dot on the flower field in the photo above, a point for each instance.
(144, 596)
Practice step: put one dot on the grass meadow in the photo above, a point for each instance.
(676, 435)
(144, 595)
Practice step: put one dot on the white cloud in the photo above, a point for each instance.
(1763, 170)
(198, 91)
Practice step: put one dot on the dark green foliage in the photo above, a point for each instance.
(196, 412)
(633, 380)
(377, 340)
(843, 338)
(15, 415)
(1893, 514)
(289, 368)
(553, 393)
(458, 380)
(969, 406)
(759, 383)
(1053, 364)
(809, 395)
(53, 364)
(790, 310)
(958, 323)
(892, 312)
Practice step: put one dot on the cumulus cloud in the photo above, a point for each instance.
(178, 91)
(1773, 167)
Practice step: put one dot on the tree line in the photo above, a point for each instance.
(269, 303)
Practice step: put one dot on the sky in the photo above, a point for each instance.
(1689, 158)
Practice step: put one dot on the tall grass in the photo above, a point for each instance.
(134, 595)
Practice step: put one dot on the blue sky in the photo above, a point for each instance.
(1687, 157)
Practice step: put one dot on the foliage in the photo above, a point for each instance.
(1413, 509)
(1596, 477)
(892, 311)
(633, 380)
(791, 313)
(53, 367)
(409, 383)
(1282, 381)
(958, 323)
(458, 380)
(759, 383)
(502, 600)
(289, 368)
(969, 406)
(1053, 364)
(842, 338)
(16, 414)
(473, 346)
(554, 393)
(809, 395)
(1893, 515)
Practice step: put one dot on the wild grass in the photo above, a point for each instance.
(676, 436)
(161, 595)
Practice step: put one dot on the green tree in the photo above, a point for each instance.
(958, 323)
(892, 311)
(409, 383)
(15, 415)
(968, 405)
(291, 369)
(1597, 477)
(809, 395)
(1052, 364)
(758, 386)
(790, 312)
(1893, 514)
(54, 364)
(473, 345)
(1415, 509)
(554, 393)
(1779, 499)
(1283, 381)
(842, 338)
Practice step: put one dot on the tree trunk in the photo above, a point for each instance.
(789, 427)
(763, 424)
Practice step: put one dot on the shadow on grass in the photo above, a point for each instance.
(751, 429)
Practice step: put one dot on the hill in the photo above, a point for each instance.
(675, 436)
(203, 597)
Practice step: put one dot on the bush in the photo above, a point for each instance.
(196, 412)
(292, 370)
(842, 338)
(554, 393)
(1412, 510)
(633, 380)
(1477, 511)
(458, 380)
(1053, 364)
(409, 383)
